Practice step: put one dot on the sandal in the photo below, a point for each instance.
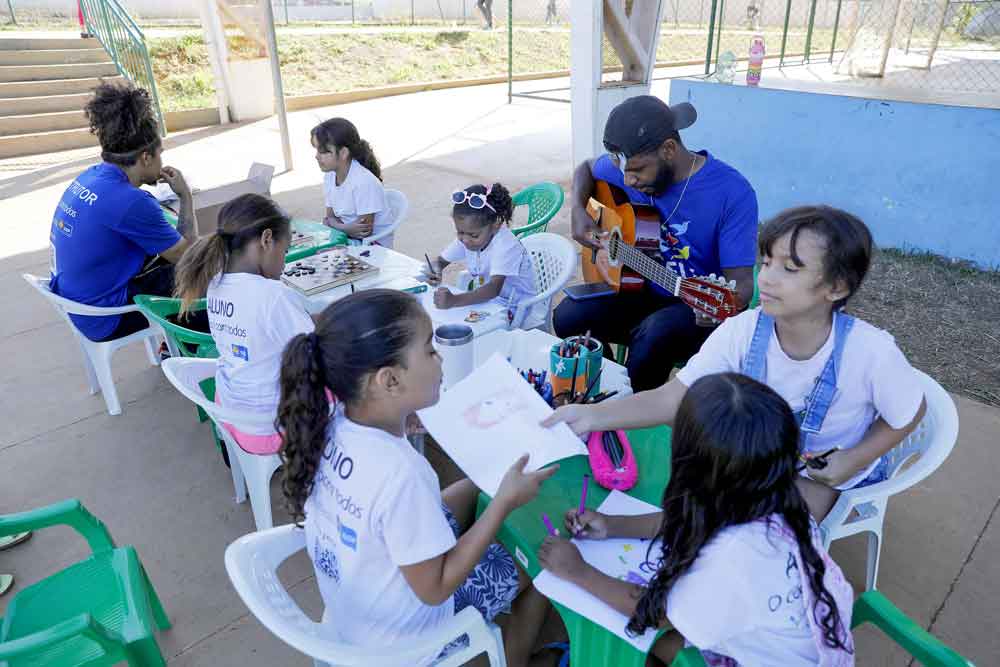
(6, 581)
(9, 541)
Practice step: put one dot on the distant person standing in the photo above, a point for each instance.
(550, 13)
(486, 7)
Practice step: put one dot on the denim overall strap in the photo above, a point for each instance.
(754, 363)
(819, 400)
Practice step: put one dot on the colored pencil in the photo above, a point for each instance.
(548, 525)
(603, 396)
(430, 266)
(583, 496)
(593, 383)
(572, 383)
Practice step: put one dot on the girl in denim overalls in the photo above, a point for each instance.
(850, 386)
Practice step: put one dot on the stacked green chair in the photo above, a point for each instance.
(182, 341)
(100, 611)
(543, 201)
(875, 608)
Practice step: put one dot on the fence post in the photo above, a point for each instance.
(836, 26)
(10, 6)
(110, 35)
(711, 36)
(413, 16)
(510, 51)
(809, 32)
(352, 12)
(286, 12)
(718, 37)
(784, 34)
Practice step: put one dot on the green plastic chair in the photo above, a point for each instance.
(183, 341)
(543, 201)
(100, 611)
(875, 608)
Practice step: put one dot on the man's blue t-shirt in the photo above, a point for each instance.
(715, 224)
(102, 231)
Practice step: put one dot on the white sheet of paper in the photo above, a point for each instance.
(614, 557)
(458, 315)
(490, 418)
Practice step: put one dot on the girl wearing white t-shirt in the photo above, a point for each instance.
(387, 545)
(352, 181)
(853, 391)
(736, 564)
(251, 313)
(499, 264)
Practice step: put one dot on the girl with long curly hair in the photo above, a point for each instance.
(394, 555)
(740, 571)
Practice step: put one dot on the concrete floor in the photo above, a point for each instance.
(153, 476)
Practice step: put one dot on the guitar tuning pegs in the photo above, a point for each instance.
(732, 284)
(711, 277)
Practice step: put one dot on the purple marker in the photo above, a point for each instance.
(583, 496)
(548, 525)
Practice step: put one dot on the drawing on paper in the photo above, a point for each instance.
(493, 409)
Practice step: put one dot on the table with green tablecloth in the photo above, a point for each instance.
(523, 533)
(325, 237)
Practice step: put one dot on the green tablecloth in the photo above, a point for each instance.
(523, 532)
(333, 236)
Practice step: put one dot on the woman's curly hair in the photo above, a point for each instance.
(121, 116)
(354, 337)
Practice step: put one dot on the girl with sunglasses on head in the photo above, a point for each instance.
(499, 264)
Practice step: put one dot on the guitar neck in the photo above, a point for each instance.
(645, 266)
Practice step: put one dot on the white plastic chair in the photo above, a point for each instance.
(932, 441)
(398, 208)
(97, 356)
(252, 562)
(250, 471)
(554, 259)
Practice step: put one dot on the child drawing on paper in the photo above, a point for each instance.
(737, 567)
(492, 410)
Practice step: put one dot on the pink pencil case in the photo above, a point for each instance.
(611, 460)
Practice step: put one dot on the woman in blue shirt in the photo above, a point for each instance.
(110, 240)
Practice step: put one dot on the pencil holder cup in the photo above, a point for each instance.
(589, 365)
(454, 344)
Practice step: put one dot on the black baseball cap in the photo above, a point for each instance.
(640, 124)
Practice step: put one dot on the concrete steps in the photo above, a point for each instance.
(10, 73)
(14, 89)
(45, 142)
(44, 86)
(16, 106)
(53, 56)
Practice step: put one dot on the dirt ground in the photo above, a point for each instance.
(945, 317)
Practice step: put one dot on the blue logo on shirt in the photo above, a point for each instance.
(64, 227)
(348, 536)
(326, 562)
(242, 352)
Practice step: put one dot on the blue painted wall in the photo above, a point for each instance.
(922, 176)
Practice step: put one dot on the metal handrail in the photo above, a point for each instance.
(124, 41)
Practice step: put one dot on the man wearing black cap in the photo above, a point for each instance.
(708, 214)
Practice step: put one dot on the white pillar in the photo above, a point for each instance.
(591, 101)
(215, 42)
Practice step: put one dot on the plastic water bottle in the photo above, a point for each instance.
(756, 60)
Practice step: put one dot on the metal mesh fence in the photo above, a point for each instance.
(943, 48)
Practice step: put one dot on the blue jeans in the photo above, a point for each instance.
(659, 330)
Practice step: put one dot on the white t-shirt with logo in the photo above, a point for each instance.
(742, 598)
(376, 505)
(360, 194)
(874, 379)
(252, 318)
(503, 256)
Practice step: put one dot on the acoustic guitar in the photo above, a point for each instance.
(629, 259)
